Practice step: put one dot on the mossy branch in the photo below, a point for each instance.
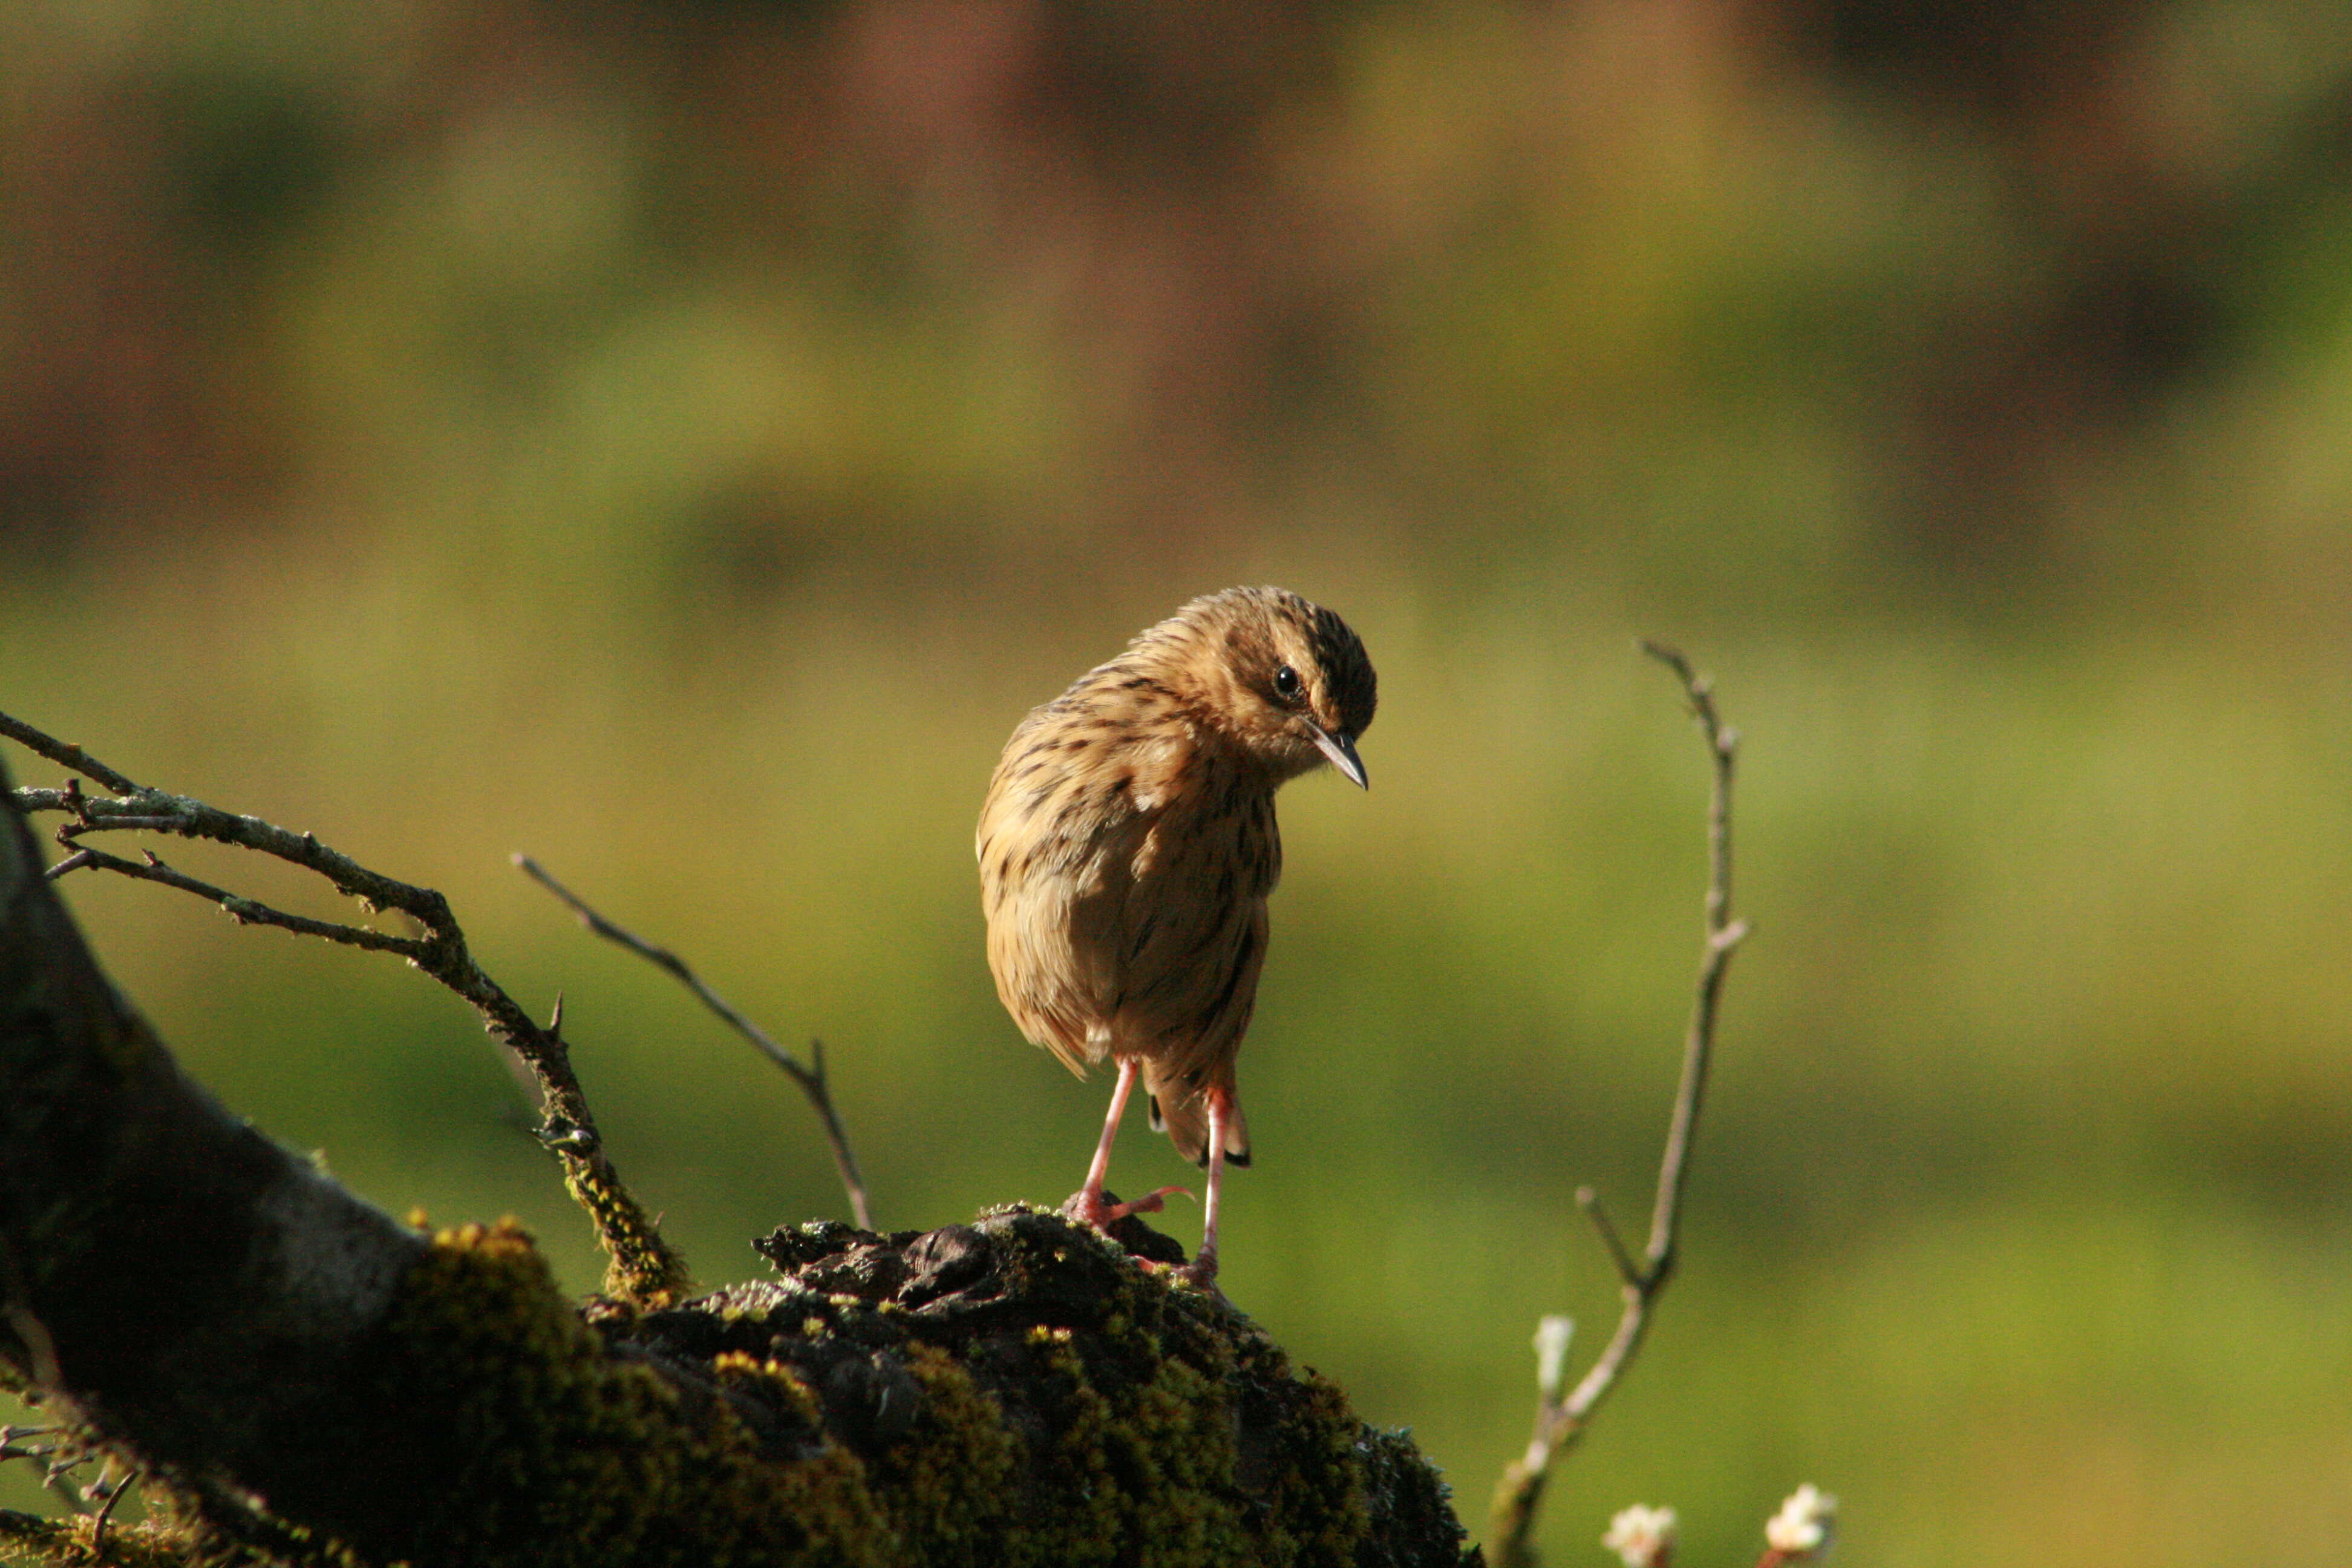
(642, 1269)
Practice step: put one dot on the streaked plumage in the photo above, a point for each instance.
(1128, 846)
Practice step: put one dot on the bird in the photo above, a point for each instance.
(1127, 845)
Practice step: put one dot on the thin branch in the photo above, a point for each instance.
(644, 1268)
(111, 823)
(1559, 1422)
(243, 911)
(65, 756)
(1628, 1270)
(106, 1496)
(810, 1077)
(1723, 934)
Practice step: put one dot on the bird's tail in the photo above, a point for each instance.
(1183, 1115)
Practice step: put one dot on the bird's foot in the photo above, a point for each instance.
(1149, 1203)
(1090, 1208)
(1202, 1272)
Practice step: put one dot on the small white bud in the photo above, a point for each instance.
(1641, 1536)
(1802, 1528)
(1551, 1355)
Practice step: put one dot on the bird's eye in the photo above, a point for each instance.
(1286, 681)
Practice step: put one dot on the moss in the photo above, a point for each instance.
(1015, 1391)
(1070, 1407)
(947, 1481)
(642, 1270)
(561, 1452)
(167, 1540)
(30, 1539)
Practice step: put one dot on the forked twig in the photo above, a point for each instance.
(1562, 1420)
(810, 1075)
(644, 1267)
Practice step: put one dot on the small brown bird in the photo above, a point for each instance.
(1128, 846)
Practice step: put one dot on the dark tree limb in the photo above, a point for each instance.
(168, 1270)
(809, 1076)
(642, 1268)
(1561, 1417)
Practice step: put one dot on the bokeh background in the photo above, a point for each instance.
(679, 440)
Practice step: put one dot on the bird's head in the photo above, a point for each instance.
(1285, 679)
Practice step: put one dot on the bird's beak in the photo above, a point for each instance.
(1342, 753)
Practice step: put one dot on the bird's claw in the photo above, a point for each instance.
(1149, 1203)
(1201, 1274)
(1088, 1208)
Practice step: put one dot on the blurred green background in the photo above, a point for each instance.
(680, 441)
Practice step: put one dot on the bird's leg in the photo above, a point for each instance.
(1203, 1269)
(1087, 1207)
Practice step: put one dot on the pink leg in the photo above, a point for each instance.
(1202, 1270)
(1088, 1207)
(1129, 1070)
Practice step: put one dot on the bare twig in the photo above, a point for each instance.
(1588, 1201)
(106, 1491)
(644, 1268)
(113, 823)
(58, 1451)
(1559, 1422)
(65, 756)
(810, 1075)
(12, 1438)
(243, 911)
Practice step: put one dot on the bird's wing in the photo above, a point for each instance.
(1055, 888)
